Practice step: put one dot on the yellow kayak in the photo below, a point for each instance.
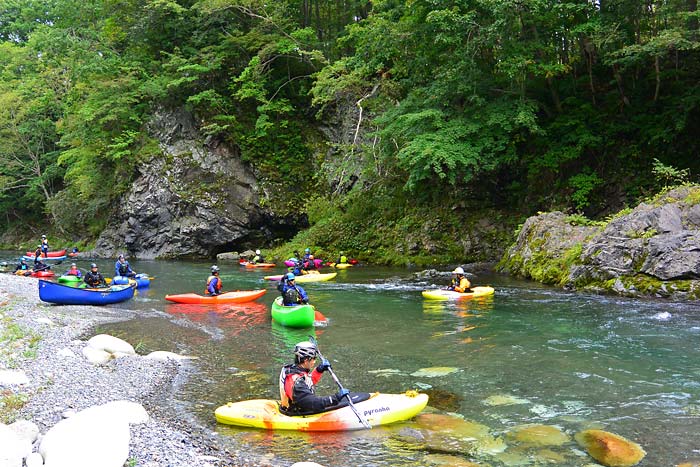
(305, 278)
(440, 294)
(378, 409)
(340, 265)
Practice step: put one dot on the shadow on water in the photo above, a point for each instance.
(529, 354)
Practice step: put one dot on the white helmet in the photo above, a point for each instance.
(458, 270)
(257, 252)
(304, 350)
(215, 268)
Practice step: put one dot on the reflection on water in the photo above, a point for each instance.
(527, 355)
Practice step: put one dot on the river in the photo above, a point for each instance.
(569, 360)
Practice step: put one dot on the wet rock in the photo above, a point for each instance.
(447, 460)
(538, 435)
(111, 344)
(610, 449)
(444, 400)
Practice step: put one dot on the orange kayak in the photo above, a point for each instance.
(240, 296)
(260, 265)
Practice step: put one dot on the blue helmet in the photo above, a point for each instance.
(308, 250)
(290, 276)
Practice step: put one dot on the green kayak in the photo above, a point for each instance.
(71, 280)
(298, 316)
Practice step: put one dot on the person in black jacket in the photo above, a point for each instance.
(93, 278)
(298, 380)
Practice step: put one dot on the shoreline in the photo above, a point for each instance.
(45, 341)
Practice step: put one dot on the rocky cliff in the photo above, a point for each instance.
(652, 250)
(196, 199)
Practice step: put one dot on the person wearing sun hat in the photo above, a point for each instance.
(459, 283)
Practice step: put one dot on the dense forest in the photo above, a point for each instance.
(457, 105)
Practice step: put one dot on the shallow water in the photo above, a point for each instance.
(568, 360)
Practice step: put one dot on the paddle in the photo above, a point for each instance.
(362, 419)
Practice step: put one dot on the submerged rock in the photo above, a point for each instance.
(539, 435)
(504, 399)
(610, 449)
(434, 371)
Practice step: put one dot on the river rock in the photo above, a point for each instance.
(95, 356)
(25, 430)
(98, 435)
(538, 435)
(13, 378)
(162, 355)
(34, 460)
(111, 344)
(610, 449)
(654, 250)
(13, 448)
(228, 256)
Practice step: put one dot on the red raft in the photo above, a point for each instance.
(51, 254)
(240, 296)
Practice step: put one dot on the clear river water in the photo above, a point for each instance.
(573, 361)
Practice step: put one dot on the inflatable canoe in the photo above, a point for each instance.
(240, 296)
(260, 265)
(65, 295)
(378, 409)
(305, 278)
(51, 254)
(50, 258)
(440, 294)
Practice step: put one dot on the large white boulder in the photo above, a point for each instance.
(96, 436)
(34, 460)
(13, 449)
(96, 356)
(25, 430)
(111, 344)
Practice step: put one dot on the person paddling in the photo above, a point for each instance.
(24, 267)
(292, 294)
(123, 268)
(73, 271)
(214, 284)
(298, 380)
(459, 281)
(258, 258)
(94, 278)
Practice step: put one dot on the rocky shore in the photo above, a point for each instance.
(46, 377)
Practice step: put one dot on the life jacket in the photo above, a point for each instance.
(343, 259)
(458, 284)
(294, 372)
(123, 268)
(291, 296)
(218, 283)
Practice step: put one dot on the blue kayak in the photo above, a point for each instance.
(140, 280)
(65, 295)
(45, 260)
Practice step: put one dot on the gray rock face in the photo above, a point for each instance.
(195, 199)
(653, 250)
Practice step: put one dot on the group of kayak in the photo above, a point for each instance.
(299, 407)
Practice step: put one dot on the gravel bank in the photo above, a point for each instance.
(61, 379)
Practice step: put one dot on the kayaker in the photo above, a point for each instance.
(310, 266)
(38, 254)
(459, 282)
(298, 380)
(342, 259)
(214, 284)
(93, 278)
(296, 269)
(292, 294)
(23, 266)
(307, 253)
(44, 246)
(258, 258)
(122, 267)
(73, 271)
